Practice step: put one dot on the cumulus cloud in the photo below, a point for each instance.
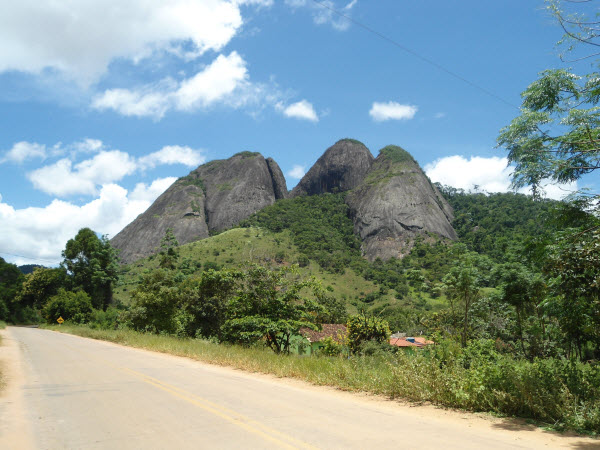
(63, 178)
(323, 13)
(172, 154)
(41, 233)
(66, 177)
(297, 172)
(23, 151)
(487, 174)
(300, 110)
(80, 38)
(381, 112)
(224, 80)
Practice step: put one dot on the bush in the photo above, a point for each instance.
(73, 306)
(330, 347)
(363, 328)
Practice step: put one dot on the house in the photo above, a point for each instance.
(400, 340)
(335, 331)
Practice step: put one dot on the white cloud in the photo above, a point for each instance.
(79, 38)
(300, 110)
(22, 151)
(65, 177)
(224, 80)
(488, 174)
(215, 82)
(323, 13)
(172, 154)
(392, 111)
(62, 178)
(88, 145)
(297, 172)
(41, 233)
(439, 115)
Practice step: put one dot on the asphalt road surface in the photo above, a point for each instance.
(66, 392)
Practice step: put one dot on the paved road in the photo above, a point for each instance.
(76, 393)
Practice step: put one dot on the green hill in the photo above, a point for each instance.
(316, 233)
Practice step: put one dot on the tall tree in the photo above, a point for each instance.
(11, 279)
(462, 285)
(556, 137)
(92, 264)
(272, 305)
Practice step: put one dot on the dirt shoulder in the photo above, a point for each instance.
(15, 431)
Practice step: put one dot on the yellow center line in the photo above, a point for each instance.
(250, 425)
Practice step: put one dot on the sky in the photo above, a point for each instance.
(103, 104)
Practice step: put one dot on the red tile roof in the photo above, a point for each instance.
(403, 342)
(334, 330)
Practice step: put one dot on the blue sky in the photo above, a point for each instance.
(103, 104)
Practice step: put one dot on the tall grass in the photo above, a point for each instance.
(564, 394)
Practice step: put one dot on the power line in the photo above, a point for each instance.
(27, 257)
(415, 54)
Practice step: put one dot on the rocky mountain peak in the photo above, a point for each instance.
(213, 197)
(395, 203)
(341, 168)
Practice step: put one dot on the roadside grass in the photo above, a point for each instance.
(557, 394)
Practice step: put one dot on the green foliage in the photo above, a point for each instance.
(320, 226)
(92, 264)
(11, 279)
(40, 285)
(73, 306)
(246, 154)
(396, 154)
(154, 303)
(573, 265)
(462, 285)
(192, 180)
(271, 305)
(330, 347)
(204, 303)
(168, 254)
(499, 225)
(362, 328)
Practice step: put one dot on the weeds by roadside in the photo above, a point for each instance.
(564, 394)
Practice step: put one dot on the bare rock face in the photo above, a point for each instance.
(395, 203)
(213, 197)
(341, 168)
(279, 184)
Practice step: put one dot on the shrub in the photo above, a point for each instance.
(73, 306)
(363, 328)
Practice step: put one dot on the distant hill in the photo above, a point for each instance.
(29, 268)
(390, 200)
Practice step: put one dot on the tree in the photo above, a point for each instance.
(573, 266)
(155, 302)
(168, 255)
(556, 137)
(462, 286)
(40, 285)
(362, 328)
(271, 305)
(73, 306)
(11, 279)
(204, 302)
(92, 264)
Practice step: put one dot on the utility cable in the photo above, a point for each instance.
(27, 257)
(415, 54)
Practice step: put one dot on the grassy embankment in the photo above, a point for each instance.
(560, 394)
